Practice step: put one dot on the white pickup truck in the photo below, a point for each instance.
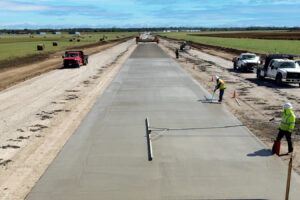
(280, 69)
(246, 62)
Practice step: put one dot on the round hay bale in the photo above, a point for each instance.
(54, 44)
(78, 40)
(71, 40)
(40, 47)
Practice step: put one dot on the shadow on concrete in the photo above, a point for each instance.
(271, 83)
(283, 154)
(262, 152)
(233, 199)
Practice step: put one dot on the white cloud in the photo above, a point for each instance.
(20, 6)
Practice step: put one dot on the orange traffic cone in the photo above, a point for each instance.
(194, 67)
(186, 62)
(234, 94)
(212, 78)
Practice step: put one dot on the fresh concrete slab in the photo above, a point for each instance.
(106, 158)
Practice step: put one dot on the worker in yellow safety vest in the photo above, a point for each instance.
(287, 125)
(220, 85)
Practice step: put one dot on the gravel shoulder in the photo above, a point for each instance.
(257, 100)
(40, 114)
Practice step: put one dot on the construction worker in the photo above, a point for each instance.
(220, 85)
(177, 53)
(287, 125)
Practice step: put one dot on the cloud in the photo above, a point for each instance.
(146, 13)
(20, 6)
(44, 8)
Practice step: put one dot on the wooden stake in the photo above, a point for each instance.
(288, 182)
(237, 101)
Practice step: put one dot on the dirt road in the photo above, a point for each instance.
(259, 100)
(39, 115)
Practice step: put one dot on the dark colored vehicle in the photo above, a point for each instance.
(75, 59)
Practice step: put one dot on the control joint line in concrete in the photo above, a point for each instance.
(210, 127)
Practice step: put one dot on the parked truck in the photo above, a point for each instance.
(281, 68)
(185, 46)
(75, 59)
(246, 62)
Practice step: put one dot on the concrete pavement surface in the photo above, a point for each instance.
(106, 158)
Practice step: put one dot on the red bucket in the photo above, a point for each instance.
(276, 147)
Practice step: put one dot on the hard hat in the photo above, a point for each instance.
(217, 77)
(287, 106)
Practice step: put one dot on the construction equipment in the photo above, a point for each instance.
(147, 37)
(210, 100)
(185, 46)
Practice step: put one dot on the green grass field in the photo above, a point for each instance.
(17, 46)
(254, 45)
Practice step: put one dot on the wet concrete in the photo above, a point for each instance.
(106, 158)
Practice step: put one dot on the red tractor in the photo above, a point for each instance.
(75, 59)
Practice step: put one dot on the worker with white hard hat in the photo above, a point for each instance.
(287, 125)
(220, 85)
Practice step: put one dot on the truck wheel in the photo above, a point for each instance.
(279, 79)
(243, 69)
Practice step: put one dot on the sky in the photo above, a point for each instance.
(19, 14)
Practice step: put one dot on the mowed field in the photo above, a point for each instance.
(18, 46)
(255, 35)
(259, 42)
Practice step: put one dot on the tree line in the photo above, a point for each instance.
(159, 29)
